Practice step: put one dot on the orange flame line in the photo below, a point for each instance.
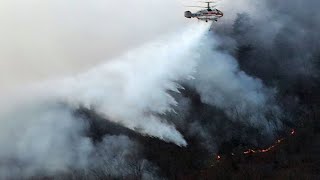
(252, 151)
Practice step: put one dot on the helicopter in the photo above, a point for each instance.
(208, 14)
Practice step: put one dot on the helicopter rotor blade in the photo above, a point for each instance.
(202, 6)
(208, 1)
(197, 6)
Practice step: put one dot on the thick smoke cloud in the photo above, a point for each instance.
(221, 83)
(44, 137)
(133, 89)
(41, 134)
(223, 103)
(278, 44)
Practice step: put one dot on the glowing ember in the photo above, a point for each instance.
(249, 151)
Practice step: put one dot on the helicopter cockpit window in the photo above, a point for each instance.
(209, 9)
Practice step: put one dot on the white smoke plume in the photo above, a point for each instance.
(221, 83)
(39, 136)
(132, 90)
(39, 131)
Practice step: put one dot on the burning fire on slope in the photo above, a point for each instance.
(252, 151)
(279, 141)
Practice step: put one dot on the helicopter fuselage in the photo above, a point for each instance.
(205, 15)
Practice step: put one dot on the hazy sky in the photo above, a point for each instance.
(53, 38)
